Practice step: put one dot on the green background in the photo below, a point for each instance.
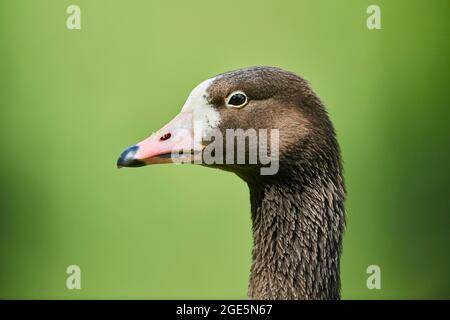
(72, 100)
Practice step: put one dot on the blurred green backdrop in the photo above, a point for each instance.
(71, 100)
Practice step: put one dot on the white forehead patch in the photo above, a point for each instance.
(205, 116)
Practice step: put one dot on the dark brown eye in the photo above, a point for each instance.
(237, 99)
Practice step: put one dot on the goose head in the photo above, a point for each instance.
(273, 112)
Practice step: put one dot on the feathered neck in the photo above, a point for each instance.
(298, 223)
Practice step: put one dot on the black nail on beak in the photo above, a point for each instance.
(127, 158)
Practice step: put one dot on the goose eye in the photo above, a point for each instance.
(237, 99)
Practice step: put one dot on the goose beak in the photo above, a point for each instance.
(174, 143)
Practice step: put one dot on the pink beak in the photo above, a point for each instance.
(174, 143)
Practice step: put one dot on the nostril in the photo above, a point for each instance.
(165, 137)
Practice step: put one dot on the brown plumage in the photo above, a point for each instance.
(298, 214)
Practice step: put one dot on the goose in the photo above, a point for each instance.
(297, 213)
